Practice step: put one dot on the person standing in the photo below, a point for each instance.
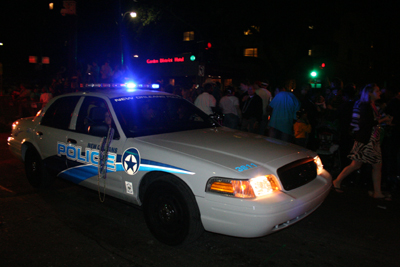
(206, 102)
(229, 105)
(252, 110)
(45, 97)
(95, 72)
(366, 148)
(266, 96)
(106, 73)
(302, 128)
(305, 98)
(284, 112)
(24, 109)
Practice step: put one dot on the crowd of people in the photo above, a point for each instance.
(105, 73)
(29, 98)
(363, 122)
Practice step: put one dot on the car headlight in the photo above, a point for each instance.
(320, 166)
(14, 125)
(249, 188)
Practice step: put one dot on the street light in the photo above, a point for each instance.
(132, 14)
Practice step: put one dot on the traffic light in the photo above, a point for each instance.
(209, 53)
(313, 74)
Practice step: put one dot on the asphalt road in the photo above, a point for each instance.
(68, 226)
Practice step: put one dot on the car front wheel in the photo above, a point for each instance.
(171, 212)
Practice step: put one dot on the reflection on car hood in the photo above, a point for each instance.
(215, 144)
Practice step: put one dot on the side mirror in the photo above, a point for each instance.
(100, 130)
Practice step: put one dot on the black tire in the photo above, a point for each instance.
(35, 171)
(171, 212)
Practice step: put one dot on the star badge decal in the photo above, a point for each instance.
(131, 161)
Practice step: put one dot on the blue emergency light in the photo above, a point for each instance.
(130, 85)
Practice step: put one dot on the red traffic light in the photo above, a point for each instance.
(209, 45)
(323, 65)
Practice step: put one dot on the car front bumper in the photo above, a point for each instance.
(259, 217)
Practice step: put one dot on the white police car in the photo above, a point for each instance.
(160, 152)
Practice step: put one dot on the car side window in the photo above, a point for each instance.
(59, 114)
(94, 112)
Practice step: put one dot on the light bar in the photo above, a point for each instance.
(129, 85)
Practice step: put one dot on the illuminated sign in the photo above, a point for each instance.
(172, 65)
(45, 60)
(165, 60)
(32, 59)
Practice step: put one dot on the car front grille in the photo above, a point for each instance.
(297, 173)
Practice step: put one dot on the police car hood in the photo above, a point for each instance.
(220, 145)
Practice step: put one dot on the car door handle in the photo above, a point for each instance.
(72, 141)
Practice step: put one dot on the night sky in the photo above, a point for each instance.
(28, 27)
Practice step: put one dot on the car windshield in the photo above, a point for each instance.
(158, 114)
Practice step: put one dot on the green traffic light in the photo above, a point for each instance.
(192, 57)
(313, 74)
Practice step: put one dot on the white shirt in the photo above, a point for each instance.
(265, 96)
(205, 102)
(229, 104)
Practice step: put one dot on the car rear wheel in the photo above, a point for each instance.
(35, 171)
(171, 212)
